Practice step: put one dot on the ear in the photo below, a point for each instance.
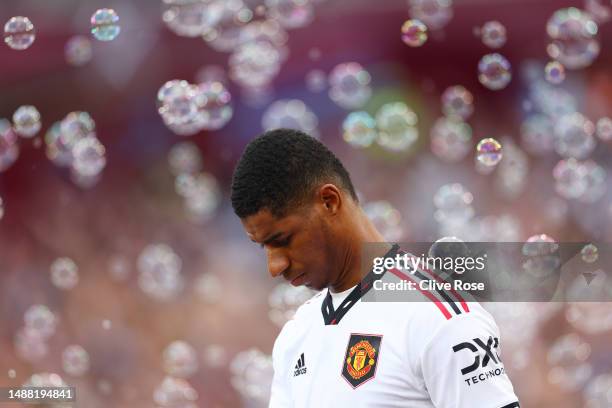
(330, 198)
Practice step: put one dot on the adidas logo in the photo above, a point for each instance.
(300, 367)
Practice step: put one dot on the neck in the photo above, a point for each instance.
(353, 256)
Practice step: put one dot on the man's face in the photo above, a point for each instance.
(297, 245)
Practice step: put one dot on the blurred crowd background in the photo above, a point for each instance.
(123, 271)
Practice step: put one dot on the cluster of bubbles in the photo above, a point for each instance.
(284, 301)
(292, 114)
(434, 13)
(393, 127)
(581, 180)
(386, 218)
(414, 33)
(573, 35)
(494, 71)
(252, 373)
(349, 85)
(31, 340)
(187, 108)
(159, 270)
(180, 359)
(75, 360)
(568, 359)
(105, 24)
(175, 392)
(64, 273)
(19, 33)
(493, 34)
(78, 50)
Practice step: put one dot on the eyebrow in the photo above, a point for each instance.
(270, 239)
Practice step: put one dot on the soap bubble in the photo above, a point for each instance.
(26, 121)
(41, 320)
(160, 272)
(254, 64)
(396, 126)
(604, 129)
(75, 360)
(225, 35)
(64, 273)
(453, 204)
(192, 18)
(284, 300)
(568, 359)
(252, 374)
(489, 152)
(574, 136)
(414, 33)
(185, 157)
(76, 126)
(573, 34)
(359, 129)
(180, 359)
(89, 157)
(493, 34)
(214, 102)
(590, 317)
(292, 114)
(386, 218)
(19, 33)
(589, 253)
(457, 101)
(175, 392)
(105, 25)
(290, 13)
(78, 50)
(597, 393)
(349, 85)
(30, 345)
(434, 13)
(494, 71)
(9, 148)
(569, 178)
(554, 72)
(451, 139)
(595, 181)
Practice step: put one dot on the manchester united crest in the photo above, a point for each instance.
(361, 358)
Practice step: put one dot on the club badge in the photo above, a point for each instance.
(361, 358)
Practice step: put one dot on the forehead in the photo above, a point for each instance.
(263, 223)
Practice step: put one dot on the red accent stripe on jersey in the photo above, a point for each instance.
(439, 279)
(431, 297)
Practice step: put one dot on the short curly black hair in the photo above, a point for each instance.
(280, 168)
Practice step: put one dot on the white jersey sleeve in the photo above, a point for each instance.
(461, 364)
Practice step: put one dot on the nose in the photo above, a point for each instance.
(277, 262)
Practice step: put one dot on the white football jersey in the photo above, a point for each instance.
(433, 353)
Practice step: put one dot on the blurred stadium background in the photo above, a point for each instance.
(123, 271)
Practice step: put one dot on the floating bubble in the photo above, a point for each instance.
(449, 247)
(225, 35)
(493, 34)
(569, 176)
(89, 157)
(604, 129)
(552, 100)
(292, 114)
(11, 373)
(359, 129)
(9, 148)
(213, 101)
(64, 273)
(160, 272)
(254, 64)
(19, 33)
(316, 80)
(568, 359)
(494, 71)
(574, 136)
(489, 151)
(201, 193)
(175, 392)
(75, 360)
(434, 13)
(208, 287)
(599, 12)
(451, 139)
(453, 204)
(573, 34)
(180, 359)
(542, 256)
(595, 182)
(192, 18)
(252, 373)
(590, 317)
(78, 50)
(589, 253)
(457, 101)
(396, 124)
(597, 393)
(349, 85)
(539, 245)
(290, 13)
(269, 31)
(41, 320)
(284, 300)
(176, 102)
(30, 345)
(386, 218)
(537, 134)
(414, 33)
(105, 25)
(185, 158)
(26, 121)
(554, 72)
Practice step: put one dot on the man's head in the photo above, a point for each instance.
(296, 199)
